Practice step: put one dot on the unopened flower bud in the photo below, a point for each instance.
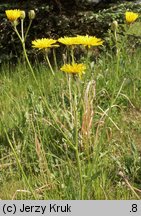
(31, 14)
(114, 25)
(22, 16)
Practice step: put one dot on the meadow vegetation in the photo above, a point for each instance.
(64, 136)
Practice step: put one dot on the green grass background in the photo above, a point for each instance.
(71, 138)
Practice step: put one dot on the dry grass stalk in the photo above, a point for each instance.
(129, 185)
(20, 191)
(88, 109)
(43, 164)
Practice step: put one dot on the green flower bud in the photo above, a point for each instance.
(114, 25)
(31, 14)
(22, 16)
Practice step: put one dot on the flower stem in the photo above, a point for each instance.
(22, 39)
(87, 57)
(22, 30)
(80, 173)
(77, 150)
(116, 42)
(19, 36)
(49, 64)
(72, 54)
(70, 95)
(55, 60)
(28, 62)
(28, 29)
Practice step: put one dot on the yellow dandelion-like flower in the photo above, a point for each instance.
(44, 43)
(131, 17)
(13, 15)
(81, 40)
(89, 40)
(69, 41)
(73, 68)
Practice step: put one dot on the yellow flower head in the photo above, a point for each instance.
(73, 68)
(44, 43)
(131, 17)
(69, 41)
(89, 40)
(81, 40)
(13, 15)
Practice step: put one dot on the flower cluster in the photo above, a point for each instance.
(13, 15)
(69, 41)
(73, 68)
(81, 40)
(46, 43)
